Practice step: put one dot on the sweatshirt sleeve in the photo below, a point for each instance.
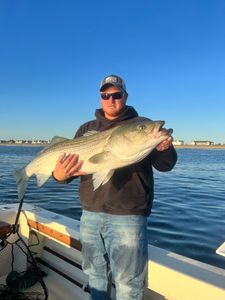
(164, 160)
(83, 129)
(79, 133)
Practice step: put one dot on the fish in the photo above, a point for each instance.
(102, 152)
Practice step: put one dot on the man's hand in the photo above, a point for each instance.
(68, 166)
(165, 144)
(168, 142)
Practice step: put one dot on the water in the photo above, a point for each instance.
(188, 215)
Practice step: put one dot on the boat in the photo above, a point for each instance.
(53, 240)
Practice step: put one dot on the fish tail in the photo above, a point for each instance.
(21, 181)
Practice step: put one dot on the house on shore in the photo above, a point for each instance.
(178, 143)
(202, 143)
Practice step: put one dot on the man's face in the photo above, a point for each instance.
(113, 107)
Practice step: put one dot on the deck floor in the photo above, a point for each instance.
(57, 291)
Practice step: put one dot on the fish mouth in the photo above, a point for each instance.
(161, 124)
(161, 131)
(169, 131)
(158, 127)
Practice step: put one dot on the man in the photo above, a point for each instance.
(113, 224)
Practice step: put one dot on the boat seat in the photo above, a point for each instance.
(5, 228)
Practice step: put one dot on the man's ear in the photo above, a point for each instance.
(125, 97)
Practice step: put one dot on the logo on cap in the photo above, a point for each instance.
(114, 80)
(111, 79)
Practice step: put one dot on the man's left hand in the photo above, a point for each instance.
(165, 144)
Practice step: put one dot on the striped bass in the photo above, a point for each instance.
(101, 152)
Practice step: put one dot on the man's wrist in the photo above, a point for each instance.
(60, 181)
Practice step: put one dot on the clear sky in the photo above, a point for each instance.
(53, 55)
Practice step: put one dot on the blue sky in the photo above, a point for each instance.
(53, 54)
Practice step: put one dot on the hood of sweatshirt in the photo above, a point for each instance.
(127, 114)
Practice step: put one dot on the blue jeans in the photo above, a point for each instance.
(114, 247)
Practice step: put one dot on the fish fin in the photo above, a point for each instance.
(99, 157)
(54, 140)
(21, 181)
(57, 139)
(90, 132)
(42, 178)
(101, 177)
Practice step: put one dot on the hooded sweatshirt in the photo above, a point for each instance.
(130, 191)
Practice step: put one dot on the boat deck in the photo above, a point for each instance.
(57, 289)
(61, 290)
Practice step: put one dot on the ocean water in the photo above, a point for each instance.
(188, 215)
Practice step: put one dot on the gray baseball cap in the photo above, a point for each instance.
(113, 80)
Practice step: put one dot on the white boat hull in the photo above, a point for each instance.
(170, 276)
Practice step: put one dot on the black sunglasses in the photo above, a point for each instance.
(117, 95)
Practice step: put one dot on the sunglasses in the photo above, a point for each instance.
(117, 95)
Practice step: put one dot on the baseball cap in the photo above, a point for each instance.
(113, 80)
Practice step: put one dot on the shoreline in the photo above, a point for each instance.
(199, 147)
(22, 145)
(211, 147)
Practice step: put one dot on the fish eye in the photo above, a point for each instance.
(141, 127)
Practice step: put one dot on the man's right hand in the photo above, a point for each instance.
(68, 166)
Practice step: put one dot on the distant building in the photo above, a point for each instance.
(39, 142)
(178, 143)
(21, 142)
(202, 143)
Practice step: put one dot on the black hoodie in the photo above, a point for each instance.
(130, 190)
